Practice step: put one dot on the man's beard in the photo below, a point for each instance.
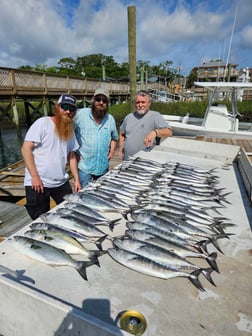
(99, 114)
(63, 126)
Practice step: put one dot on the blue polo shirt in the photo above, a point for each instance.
(94, 141)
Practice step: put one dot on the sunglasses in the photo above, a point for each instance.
(100, 99)
(67, 107)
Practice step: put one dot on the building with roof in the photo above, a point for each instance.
(217, 71)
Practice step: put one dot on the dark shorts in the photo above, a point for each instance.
(38, 203)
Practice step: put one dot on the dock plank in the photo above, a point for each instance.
(12, 218)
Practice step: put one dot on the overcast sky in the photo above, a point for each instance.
(186, 32)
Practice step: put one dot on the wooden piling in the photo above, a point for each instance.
(132, 54)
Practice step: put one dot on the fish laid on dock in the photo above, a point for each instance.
(50, 255)
(149, 267)
(166, 212)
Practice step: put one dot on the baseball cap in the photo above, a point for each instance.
(67, 99)
(101, 91)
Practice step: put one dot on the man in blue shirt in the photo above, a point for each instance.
(97, 136)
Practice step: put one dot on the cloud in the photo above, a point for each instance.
(246, 38)
(185, 31)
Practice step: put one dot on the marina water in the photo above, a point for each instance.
(10, 145)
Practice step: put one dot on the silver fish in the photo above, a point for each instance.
(154, 253)
(107, 196)
(86, 218)
(85, 210)
(72, 223)
(168, 225)
(63, 241)
(93, 201)
(147, 266)
(49, 255)
(141, 240)
(77, 235)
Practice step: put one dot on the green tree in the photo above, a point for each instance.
(166, 71)
(26, 67)
(67, 66)
(40, 67)
(192, 78)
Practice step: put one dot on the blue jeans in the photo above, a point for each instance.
(86, 178)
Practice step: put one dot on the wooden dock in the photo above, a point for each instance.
(12, 178)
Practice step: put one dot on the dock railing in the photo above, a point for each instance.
(26, 83)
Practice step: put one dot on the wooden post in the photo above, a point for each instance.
(16, 116)
(132, 54)
(45, 111)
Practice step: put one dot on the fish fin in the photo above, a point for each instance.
(214, 238)
(211, 259)
(82, 268)
(95, 260)
(194, 278)
(95, 254)
(113, 223)
(207, 274)
(99, 242)
(214, 208)
(125, 213)
(218, 228)
(221, 198)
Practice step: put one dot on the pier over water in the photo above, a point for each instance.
(44, 88)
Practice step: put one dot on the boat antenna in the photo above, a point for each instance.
(230, 43)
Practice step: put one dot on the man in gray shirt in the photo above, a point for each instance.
(141, 129)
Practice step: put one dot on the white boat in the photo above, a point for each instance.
(218, 122)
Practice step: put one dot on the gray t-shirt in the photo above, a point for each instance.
(135, 127)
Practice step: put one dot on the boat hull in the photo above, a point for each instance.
(180, 129)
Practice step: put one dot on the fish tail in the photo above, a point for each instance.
(211, 259)
(219, 227)
(207, 274)
(113, 223)
(222, 198)
(125, 213)
(213, 240)
(82, 268)
(95, 255)
(201, 246)
(99, 242)
(95, 260)
(214, 208)
(194, 278)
